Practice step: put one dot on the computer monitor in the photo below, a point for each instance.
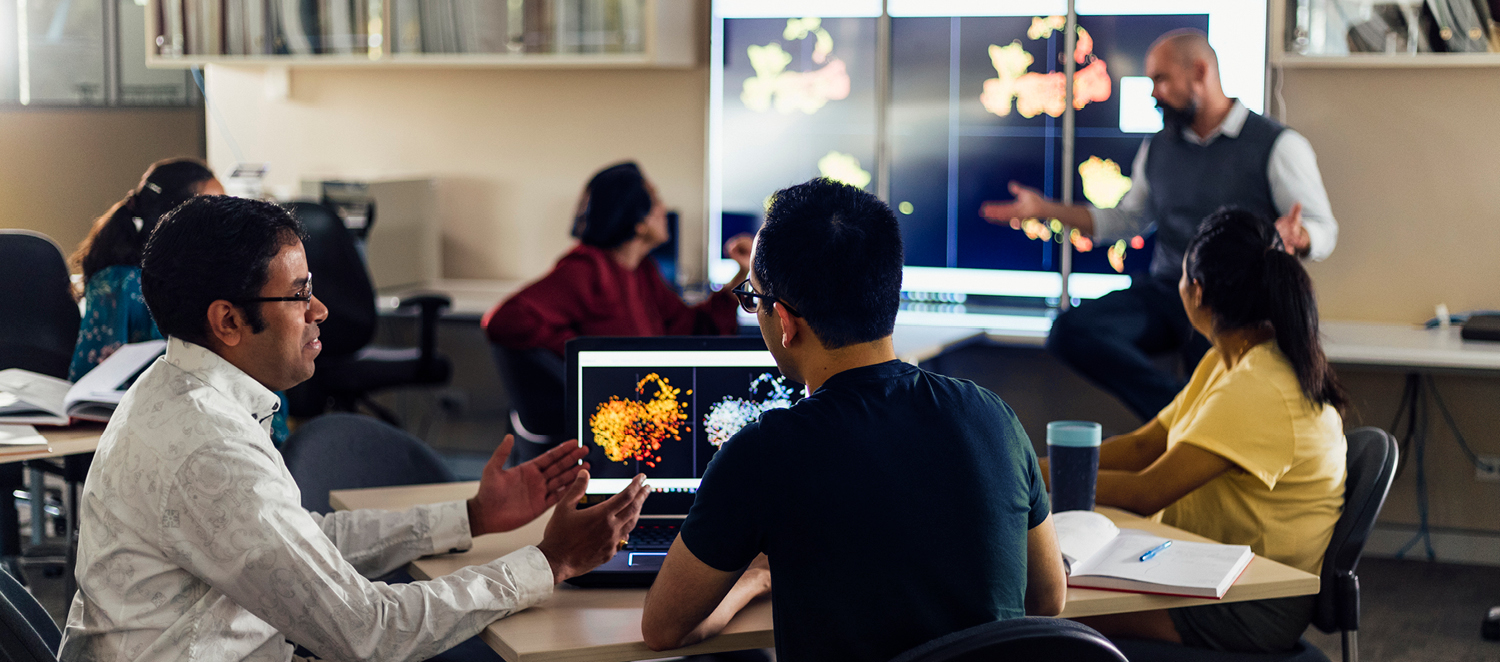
(970, 95)
(664, 406)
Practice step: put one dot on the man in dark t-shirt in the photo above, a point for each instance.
(892, 505)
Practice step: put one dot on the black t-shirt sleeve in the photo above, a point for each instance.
(725, 527)
(1041, 506)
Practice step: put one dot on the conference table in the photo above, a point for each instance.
(604, 625)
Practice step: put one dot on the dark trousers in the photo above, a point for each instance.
(1112, 341)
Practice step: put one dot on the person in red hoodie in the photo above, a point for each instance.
(606, 286)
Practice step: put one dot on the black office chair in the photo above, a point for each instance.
(348, 451)
(1018, 639)
(348, 370)
(40, 329)
(533, 379)
(27, 633)
(1371, 468)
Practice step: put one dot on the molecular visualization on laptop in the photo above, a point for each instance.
(727, 416)
(634, 430)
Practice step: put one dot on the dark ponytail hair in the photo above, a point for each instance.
(1249, 280)
(114, 239)
(614, 202)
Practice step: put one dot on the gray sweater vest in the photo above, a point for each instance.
(1189, 182)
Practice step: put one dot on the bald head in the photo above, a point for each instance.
(1186, 48)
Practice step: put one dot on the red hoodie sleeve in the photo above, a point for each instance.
(546, 313)
(714, 317)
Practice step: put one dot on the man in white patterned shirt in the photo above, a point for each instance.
(193, 542)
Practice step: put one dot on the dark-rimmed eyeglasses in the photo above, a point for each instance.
(747, 296)
(304, 295)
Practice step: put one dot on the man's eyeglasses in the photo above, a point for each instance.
(304, 295)
(747, 296)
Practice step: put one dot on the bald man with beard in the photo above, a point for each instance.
(1212, 152)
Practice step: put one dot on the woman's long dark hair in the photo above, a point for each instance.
(614, 202)
(115, 239)
(1249, 280)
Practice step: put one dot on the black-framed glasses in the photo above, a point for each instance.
(304, 295)
(747, 296)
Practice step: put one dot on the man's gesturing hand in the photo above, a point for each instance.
(577, 541)
(510, 498)
(1028, 203)
(1293, 235)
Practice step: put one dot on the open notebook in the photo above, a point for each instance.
(34, 399)
(1100, 555)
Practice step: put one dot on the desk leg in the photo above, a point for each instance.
(38, 487)
(10, 522)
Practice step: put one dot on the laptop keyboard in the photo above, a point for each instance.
(654, 535)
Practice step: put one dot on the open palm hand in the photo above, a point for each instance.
(511, 498)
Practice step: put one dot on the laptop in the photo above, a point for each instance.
(662, 407)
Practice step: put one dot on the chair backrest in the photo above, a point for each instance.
(27, 633)
(36, 302)
(340, 280)
(1018, 639)
(1371, 467)
(346, 451)
(534, 379)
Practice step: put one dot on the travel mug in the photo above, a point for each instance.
(1073, 452)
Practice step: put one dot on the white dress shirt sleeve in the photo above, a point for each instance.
(377, 542)
(1293, 173)
(231, 518)
(1128, 218)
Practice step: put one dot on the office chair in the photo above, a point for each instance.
(1371, 468)
(27, 633)
(40, 329)
(348, 370)
(533, 379)
(348, 451)
(1018, 639)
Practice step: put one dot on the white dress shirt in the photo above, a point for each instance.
(194, 545)
(1292, 171)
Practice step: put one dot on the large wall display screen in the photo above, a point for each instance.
(974, 100)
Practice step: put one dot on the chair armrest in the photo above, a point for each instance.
(430, 306)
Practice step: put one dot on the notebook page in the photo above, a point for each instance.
(40, 391)
(1081, 534)
(1184, 564)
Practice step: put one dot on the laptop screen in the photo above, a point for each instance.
(664, 406)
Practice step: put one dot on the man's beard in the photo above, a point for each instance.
(1179, 118)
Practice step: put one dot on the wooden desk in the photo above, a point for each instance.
(604, 625)
(71, 440)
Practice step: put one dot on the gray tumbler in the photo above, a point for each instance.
(1073, 452)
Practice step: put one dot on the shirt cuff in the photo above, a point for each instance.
(450, 527)
(532, 572)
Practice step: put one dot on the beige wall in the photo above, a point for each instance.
(1408, 156)
(61, 168)
(510, 149)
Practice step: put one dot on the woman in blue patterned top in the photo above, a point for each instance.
(114, 312)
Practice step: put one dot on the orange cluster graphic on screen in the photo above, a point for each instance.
(636, 429)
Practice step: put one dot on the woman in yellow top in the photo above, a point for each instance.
(1252, 451)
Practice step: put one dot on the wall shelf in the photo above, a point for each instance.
(1318, 32)
(557, 34)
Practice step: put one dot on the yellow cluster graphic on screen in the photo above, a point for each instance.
(634, 430)
(792, 91)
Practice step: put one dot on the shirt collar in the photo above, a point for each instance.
(875, 371)
(1229, 128)
(225, 378)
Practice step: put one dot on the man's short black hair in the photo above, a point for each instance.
(833, 253)
(210, 248)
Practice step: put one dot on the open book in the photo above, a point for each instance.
(29, 398)
(20, 439)
(1100, 555)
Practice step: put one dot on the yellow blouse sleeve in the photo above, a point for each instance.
(1244, 420)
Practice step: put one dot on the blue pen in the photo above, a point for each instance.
(1155, 550)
